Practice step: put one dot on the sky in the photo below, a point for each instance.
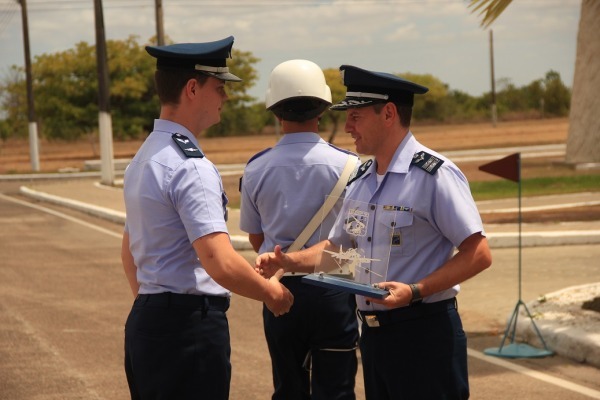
(439, 37)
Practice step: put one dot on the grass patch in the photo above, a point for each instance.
(535, 187)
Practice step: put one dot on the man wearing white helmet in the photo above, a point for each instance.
(282, 189)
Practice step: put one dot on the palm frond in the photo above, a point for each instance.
(490, 9)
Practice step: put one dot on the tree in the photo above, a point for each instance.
(66, 87)
(534, 96)
(583, 141)
(238, 114)
(509, 98)
(460, 107)
(428, 106)
(134, 103)
(67, 90)
(13, 104)
(556, 95)
(338, 92)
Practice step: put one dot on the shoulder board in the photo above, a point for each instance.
(187, 146)
(340, 149)
(426, 162)
(361, 171)
(260, 153)
(254, 157)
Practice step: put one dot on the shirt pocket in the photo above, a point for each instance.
(401, 231)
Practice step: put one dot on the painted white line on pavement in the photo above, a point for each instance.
(594, 394)
(495, 156)
(61, 215)
(549, 234)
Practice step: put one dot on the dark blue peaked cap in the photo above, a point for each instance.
(365, 88)
(208, 58)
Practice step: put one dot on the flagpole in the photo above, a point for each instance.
(515, 350)
(520, 222)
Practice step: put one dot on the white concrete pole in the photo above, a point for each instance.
(106, 148)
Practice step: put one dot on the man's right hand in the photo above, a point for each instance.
(268, 264)
(281, 299)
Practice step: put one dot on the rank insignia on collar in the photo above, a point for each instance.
(187, 146)
(361, 171)
(426, 162)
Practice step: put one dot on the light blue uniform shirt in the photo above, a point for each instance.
(172, 200)
(285, 186)
(417, 222)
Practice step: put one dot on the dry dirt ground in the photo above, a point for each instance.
(14, 154)
(57, 155)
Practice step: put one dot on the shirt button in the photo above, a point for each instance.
(369, 239)
(368, 302)
(372, 207)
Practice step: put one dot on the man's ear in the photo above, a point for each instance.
(191, 87)
(390, 112)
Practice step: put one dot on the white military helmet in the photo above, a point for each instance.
(297, 80)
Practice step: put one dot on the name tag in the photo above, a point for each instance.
(397, 208)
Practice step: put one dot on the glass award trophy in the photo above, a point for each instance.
(358, 258)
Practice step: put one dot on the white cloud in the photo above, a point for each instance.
(441, 37)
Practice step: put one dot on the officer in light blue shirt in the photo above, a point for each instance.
(166, 262)
(176, 252)
(410, 211)
(313, 348)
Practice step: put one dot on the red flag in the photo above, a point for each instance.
(507, 167)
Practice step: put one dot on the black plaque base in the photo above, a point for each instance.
(345, 285)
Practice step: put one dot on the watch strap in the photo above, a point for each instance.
(416, 294)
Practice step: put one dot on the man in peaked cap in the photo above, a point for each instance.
(176, 252)
(421, 211)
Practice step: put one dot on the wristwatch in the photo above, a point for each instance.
(416, 294)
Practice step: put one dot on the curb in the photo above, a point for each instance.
(97, 211)
(239, 242)
(574, 341)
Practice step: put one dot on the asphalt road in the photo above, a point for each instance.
(64, 300)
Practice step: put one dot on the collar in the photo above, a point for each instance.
(404, 154)
(170, 127)
(299, 137)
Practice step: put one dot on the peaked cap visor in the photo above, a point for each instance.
(365, 88)
(208, 58)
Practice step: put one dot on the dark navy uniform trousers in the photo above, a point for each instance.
(177, 347)
(416, 353)
(313, 347)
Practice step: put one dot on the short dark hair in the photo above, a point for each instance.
(405, 112)
(169, 83)
(299, 109)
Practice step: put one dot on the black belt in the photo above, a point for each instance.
(375, 319)
(166, 299)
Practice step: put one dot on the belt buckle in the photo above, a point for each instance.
(372, 321)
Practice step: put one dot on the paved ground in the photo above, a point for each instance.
(61, 324)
